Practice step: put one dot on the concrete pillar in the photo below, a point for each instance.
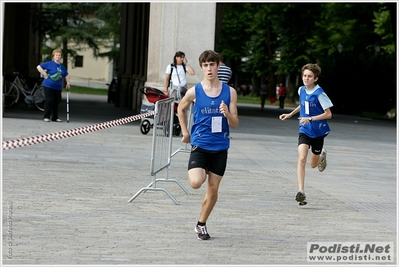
(187, 27)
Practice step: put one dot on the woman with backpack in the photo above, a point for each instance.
(175, 76)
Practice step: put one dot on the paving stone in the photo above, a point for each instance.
(66, 201)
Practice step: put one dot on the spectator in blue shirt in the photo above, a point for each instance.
(53, 72)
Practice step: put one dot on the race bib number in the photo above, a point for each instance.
(216, 124)
(306, 107)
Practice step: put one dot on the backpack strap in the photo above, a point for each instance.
(184, 67)
(172, 66)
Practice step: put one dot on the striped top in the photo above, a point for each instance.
(224, 73)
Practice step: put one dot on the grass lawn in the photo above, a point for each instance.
(256, 100)
(87, 90)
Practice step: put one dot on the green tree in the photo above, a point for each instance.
(278, 39)
(383, 27)
(110, 14)
(269, 36)
(359, 68)
(76, 26)
(233, 36)
(260, 49)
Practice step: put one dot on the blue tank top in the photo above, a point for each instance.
(314, 128)
(206, 113)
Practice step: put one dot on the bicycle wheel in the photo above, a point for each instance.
(11, 94)
(39, 98)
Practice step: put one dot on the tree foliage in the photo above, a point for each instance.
(277, 39)
(266, 43)
(74, 27)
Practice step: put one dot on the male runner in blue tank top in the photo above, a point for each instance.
(314, 111)
(215, 109)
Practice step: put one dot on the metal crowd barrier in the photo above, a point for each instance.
(161, 148)
(190, 119)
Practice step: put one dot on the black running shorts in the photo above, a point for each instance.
(213, 161)
(315, 143)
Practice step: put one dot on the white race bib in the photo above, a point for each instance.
(306, 107)
(216, 124)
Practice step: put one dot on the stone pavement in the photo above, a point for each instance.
(66, 201)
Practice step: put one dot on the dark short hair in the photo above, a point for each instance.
(209, 56)
(178, 54)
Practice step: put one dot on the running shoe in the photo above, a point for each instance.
(301, 198)
(323, 163)
(202, 232)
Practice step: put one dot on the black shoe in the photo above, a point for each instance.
(301, 198)
(202, 232)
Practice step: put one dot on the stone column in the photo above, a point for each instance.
(187, 27)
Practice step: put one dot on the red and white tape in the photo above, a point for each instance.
(70, 133)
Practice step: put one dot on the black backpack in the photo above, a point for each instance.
(172, 65)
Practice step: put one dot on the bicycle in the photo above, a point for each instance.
(32, 96)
